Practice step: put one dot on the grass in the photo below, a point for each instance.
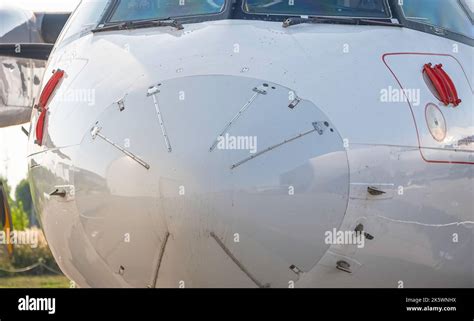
(41, 281)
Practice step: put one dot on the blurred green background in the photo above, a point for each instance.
(28, 267)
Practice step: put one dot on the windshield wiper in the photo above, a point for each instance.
(350, 21)
(168, 22)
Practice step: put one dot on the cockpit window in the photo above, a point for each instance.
(325, 8)
(453, 15)
(131, 10)
(85, 18)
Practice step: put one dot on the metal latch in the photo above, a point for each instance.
(65, 192)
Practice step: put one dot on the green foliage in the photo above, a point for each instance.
(17, 209)
(23, 195)
(19, 217)
(25, 255)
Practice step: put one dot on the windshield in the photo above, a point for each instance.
(345, 8)
(449, 15)
(129, 10)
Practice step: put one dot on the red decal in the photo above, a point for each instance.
(43, 102)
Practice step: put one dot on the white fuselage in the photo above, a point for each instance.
(153, 201)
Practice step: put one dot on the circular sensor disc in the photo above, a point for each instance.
(436, 122)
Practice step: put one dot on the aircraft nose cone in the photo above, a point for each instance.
(209, 159)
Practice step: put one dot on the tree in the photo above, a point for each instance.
(23, 195)
(19, 216)
(7, 188)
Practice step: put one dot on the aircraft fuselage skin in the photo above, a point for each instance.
(317, 139)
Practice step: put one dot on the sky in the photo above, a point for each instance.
(46, 5)
(13, 149)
